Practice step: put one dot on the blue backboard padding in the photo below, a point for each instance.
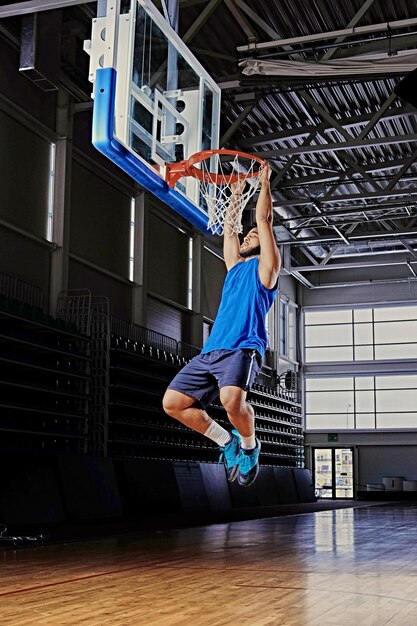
(104, 141)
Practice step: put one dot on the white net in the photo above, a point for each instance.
(225, 200)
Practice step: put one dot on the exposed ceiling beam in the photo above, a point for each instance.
(328, 176)
(184, 4)
(223, 141)
(241, 20)
(378, 115)
(347, 123)
(257, 19)
(346, 32)
(411, 195)
(200, 21)
(355, 19)
(329, 255)
(353, 144)
(355, 210)
(276, 178)
(325, 115)
(406, 244)
(407, 164)
(352, 223)
(361, 262)
(230, 81)
(409, 248)
(374, 235)
(327, 118)
(388, 282)
(306, 253)
(36, 6)
(383, 44)
(210, 53)
(328, 224)
(336, 247)
(302, 279)
(369, 126)
(411, 268)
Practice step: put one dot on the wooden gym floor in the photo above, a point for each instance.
(353, 566)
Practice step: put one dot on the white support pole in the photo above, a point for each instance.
(59, 264)
(197, 317)
(140, 265)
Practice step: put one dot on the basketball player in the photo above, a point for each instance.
(232, 355)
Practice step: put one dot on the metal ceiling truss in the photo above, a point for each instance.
(369, 236)
(326, 213)
(355, 31)
(353, 144)
(410, 193)
(347, 123)
(353, 22)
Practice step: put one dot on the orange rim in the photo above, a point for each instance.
(190, 168)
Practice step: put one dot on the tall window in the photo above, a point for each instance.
(358, 391)
(283, 340)
(383, 333)
(361, 402)
(287, 329)
(132, 240)
(50, 216)
(190, 273)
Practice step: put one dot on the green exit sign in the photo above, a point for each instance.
(332, 437)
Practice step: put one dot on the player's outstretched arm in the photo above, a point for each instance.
(231, 243)
(270, 258)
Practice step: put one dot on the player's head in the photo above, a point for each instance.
(250, 245)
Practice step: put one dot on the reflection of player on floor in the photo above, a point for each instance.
(232, 355)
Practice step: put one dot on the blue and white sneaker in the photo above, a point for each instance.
(248, 465)
(230, 454)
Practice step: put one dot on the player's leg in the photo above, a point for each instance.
(239, 411)
(185, 409)
(236, 375)
(185, 399)
(241, 415)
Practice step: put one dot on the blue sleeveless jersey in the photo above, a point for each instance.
(240, 321)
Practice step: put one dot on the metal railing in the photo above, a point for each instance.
(187, 351)
(21, 290)
(74, 306)
(152, 338)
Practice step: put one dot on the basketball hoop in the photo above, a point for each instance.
(227, 180)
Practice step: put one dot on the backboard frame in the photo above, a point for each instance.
(111, 60)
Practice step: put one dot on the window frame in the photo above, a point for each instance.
(285, 302)
(355, 347)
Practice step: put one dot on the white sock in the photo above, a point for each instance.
(217, 433)
(248, 443)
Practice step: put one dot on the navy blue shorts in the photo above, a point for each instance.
(206, 374)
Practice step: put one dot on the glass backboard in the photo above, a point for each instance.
(154, 103)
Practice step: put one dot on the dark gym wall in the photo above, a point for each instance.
(27, 118)
(18, 89)
(212, 279)
(25, 159)
(168, 260)
(24, 258)
(168, 320)
(118, 292)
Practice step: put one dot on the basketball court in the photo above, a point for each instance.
(339, 402)
(325, 568)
